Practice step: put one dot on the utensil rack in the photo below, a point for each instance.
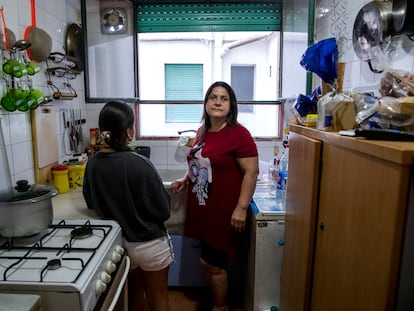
(64, 66)
(67, 65)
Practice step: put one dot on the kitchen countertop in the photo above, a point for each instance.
(20, 302)
(71, 205)
(264, 205)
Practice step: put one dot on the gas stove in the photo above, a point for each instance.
(71, 264)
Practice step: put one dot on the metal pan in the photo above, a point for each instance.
(41, 42)
(74, 43)
(9, 36)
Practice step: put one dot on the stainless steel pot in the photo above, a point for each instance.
(373, 27)
(26, 211)
(403, 16)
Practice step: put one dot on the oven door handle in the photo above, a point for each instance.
(121, 284)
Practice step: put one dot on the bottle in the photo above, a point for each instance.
(273, 175)
(283, 176)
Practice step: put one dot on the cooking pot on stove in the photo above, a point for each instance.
(27, 210)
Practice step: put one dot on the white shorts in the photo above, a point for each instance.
(151, 255)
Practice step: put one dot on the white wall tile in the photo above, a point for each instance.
(22, 157)
(20, 127)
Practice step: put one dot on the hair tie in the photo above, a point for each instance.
(106, 136)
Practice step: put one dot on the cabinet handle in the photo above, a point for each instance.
(322, 226)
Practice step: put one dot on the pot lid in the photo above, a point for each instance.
(368, 30)
(25, 193)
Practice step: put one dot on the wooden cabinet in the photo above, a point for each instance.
(347, 237)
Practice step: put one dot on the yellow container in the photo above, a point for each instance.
(61, 178)
(76, 173)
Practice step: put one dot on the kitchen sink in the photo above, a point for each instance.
(175, 225)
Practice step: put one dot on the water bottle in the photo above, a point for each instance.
(273, 176)
(283, 177)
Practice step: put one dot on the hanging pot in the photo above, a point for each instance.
(41, 42)
(373, 26)
(403, 16)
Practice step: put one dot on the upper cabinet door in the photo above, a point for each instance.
(301, 207)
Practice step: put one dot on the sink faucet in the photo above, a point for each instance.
(181, 132)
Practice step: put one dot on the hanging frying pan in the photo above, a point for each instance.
(9, 36)
(74, 45)
(372, 28)
(41, 42)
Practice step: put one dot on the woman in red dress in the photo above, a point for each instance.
(221, 179)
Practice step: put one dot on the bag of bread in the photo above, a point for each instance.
(336, 111)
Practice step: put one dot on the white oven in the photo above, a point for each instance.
(74, 265)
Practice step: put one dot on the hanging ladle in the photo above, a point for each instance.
(20, 45)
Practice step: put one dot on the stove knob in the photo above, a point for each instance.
(119, 250)
(116, 257)
(105, 277)
(110, 267)
(100, 287)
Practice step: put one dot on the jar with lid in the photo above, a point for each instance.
(61, 178)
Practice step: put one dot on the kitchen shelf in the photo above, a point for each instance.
(67, 66)
(63, 72)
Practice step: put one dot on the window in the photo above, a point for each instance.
(183, 82)
(242, 81)
(235, 42)
(179, 48)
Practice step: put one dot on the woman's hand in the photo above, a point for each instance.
(238, 218)
(179, 184)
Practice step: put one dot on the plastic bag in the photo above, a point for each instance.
(386, 113)
(305, 105)
(336, 111)
(321, 58)
(397, 83)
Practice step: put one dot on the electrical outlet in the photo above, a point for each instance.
(275, 150)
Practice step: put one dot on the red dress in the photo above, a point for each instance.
(214, 186)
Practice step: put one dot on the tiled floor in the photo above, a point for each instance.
(187, 299)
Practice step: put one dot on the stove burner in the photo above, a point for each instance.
(53, 264)
(81, 232)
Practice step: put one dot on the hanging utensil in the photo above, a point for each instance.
(372, 30)
(9, 36)
(74, 47)
(40, 39)
(66, 134)
(403, 17)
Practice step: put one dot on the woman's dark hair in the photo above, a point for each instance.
(114, 120)
(231, 118)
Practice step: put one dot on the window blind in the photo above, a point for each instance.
(183, 82)
(209, 17)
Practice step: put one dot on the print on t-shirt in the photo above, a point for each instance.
(200, 176)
